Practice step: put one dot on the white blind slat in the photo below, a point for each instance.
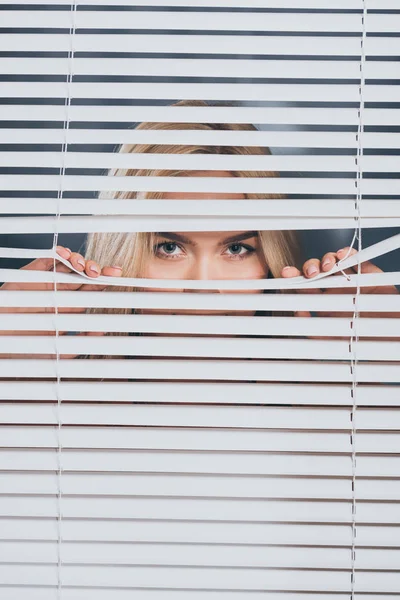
(269, 4)
(224, 579)
(229, 21)
(279, 302)
(203, 162)
(194, 324)
(201, 347)
(85, 224)
(186, 485)
(136, 554)
(311, 45)
(189, 463)
(253, 185)
(182, 416)
(281, 139)
(194, 208)
(175, 438)
(166, 67)
(203, 392)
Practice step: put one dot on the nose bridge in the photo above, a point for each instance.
(203, 268)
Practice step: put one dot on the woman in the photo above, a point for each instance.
(192, 255)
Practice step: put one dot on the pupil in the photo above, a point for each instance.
(170, 247)
(235, 248)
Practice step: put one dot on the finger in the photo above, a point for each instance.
(77, 261)
(46, 264)
(346, 252)
(290, 271)
(312, 267)
(328, 261)
(108, 272)
(92, 269)
(112, 271)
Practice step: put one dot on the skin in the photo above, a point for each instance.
(199, 256)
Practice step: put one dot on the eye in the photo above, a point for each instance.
(240, 250)
(167, 249)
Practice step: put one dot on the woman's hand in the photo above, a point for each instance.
(314, 266)
(89, 267)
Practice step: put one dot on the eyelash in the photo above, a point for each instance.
(249, 249)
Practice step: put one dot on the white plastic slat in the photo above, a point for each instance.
(198, 162)
(384, 23)
(179, 555)
(178, 114)
(139, 20)
(378, 536)
(174, 438)
(178, 416)
(380, 303)
(167, 577)
(376, 513)
(227, 4)
(137, 531)
(379, 443)
(204, 370)
(231, 486)
(250, 185)
(384, 466)
(202, 162)
(284, 417)
(280, 139)
(379, 582)
(298, 69)
(200, 324)
(16, 592)
(311, 45)
(373, 558)
(281, 116)
(195, 208)
(204, 393)
(376, 418)
(89, 224)
(378, 489)
(234, 463)
(200, 347)
(186, 485)
(173, 67)
(222, 510)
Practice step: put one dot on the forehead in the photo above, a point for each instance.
(205, 195)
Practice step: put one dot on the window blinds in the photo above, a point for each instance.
(193, 471)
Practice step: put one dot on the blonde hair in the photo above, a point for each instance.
(130, 250)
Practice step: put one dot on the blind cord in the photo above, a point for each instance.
(57, 352)
(354, 321)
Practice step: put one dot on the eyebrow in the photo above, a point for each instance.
(229, 240)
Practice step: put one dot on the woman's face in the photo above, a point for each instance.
(206, 255)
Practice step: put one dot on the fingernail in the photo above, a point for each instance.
(285, 268)
(311, 270)
(81, 262)
(116, 267)
(62, 251)
(326, 262)
(69, 249)
(339, 251)
(94, 269)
